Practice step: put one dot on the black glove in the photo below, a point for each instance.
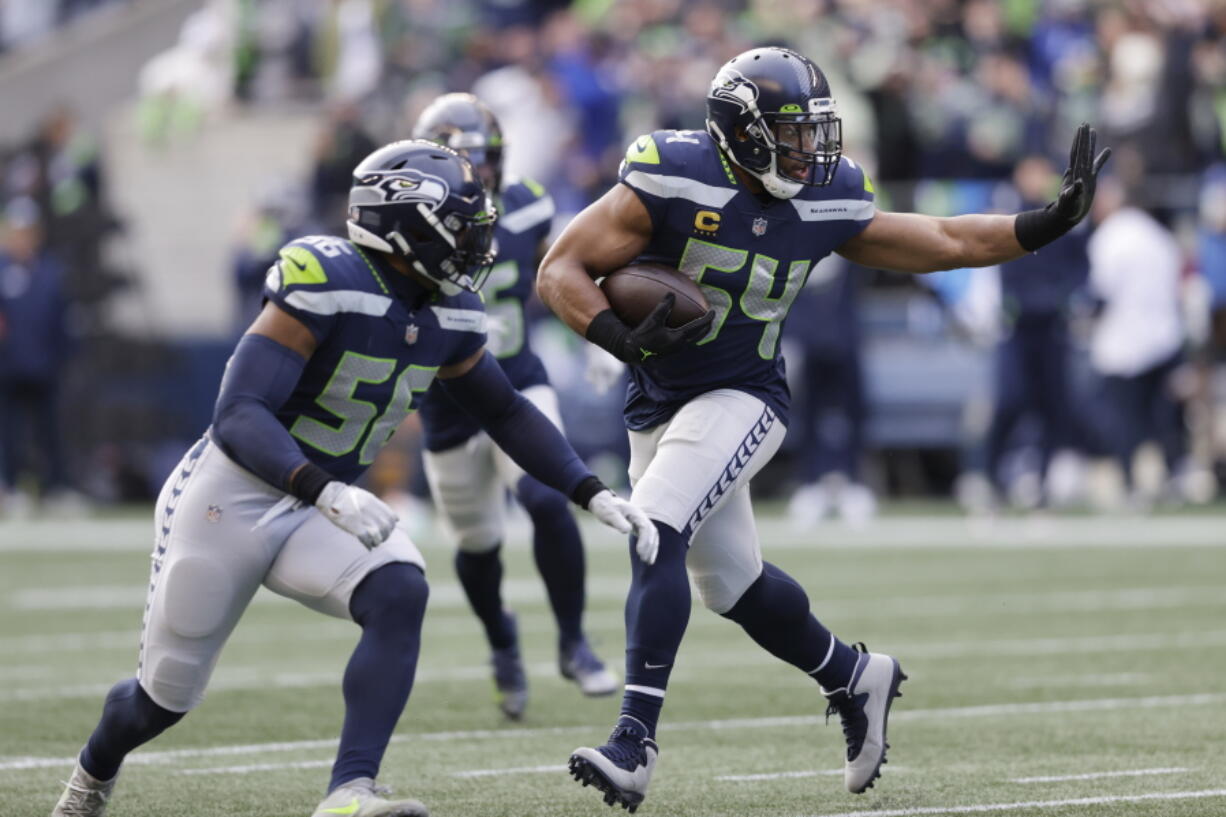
(651, 337)
(1036, 228)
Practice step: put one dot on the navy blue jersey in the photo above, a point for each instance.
(525, 215)
(750, 254)
(380, 340)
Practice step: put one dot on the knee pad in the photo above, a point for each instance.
(395, 592)
(481, 537)
(719, 592)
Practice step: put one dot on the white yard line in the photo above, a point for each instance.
(1078, 801)
(516, 770)
(748, 778)
(1105, 679)
(260, 767)
(988, 710)
(1058, 778)
(242, 678)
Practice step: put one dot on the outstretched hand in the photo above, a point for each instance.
(1077, 188)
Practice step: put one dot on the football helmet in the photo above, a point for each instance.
(424, 203)
(464, 123)
(771, 112)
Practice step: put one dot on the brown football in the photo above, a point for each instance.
(635, 290)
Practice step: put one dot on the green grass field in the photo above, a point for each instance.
(1062, 666)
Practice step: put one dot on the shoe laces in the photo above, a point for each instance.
(850, 709)
(84, 801)
(625, 747)
(581, 660)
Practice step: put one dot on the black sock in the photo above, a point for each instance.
(389, 605)
(657, 612)
(774, 611)
(129, 719)
(558, 550)
(480, 575)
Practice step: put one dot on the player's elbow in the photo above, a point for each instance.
(231, 416)
(546, 283)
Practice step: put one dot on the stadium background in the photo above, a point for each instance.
(172, 146)
(1061, 663)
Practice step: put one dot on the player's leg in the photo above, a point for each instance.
(207, 564)
(683, 471)
(773, 609)
(1010, 387)
(557, 548)
(470, 501)
(384, 591)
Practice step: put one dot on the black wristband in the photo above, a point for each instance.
(308, 482)
(588, 488)
(609, 333)
(1038, 228)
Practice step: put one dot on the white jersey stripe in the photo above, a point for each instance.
(834, 210)
(462, 320)
(679, 187)
(330, 302)
(525, 218)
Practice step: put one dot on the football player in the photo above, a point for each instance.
(468, 473)
(352, 333)
(746, 208)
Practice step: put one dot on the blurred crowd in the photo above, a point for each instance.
(24, 22)
(953, 106)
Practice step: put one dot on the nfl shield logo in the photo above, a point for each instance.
(410, 334)
(213, 514)
(759, 226)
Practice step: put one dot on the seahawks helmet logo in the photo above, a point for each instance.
(731, 85)
(397, 186)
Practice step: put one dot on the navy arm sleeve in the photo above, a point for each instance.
(521, 430)
(259, 378)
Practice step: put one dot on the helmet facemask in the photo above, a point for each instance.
(456, 252)
(799, 149)
(397, 212)
(771, 112)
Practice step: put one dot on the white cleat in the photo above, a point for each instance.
(360, 797)
(864, 708)
(84, 795)
(577, 662)
(621, 769)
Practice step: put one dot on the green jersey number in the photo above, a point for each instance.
(701, 258)
(506, 315)
(356, 415)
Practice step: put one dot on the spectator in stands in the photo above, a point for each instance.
(342, 144)
(1137, 344)
(829, 413)
(1031, 376)
(273, 224)
(33, 351)
(71, 193)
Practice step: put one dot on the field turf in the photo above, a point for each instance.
(1061, 666)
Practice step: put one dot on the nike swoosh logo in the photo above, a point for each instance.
(649, 665)
(352, 808)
